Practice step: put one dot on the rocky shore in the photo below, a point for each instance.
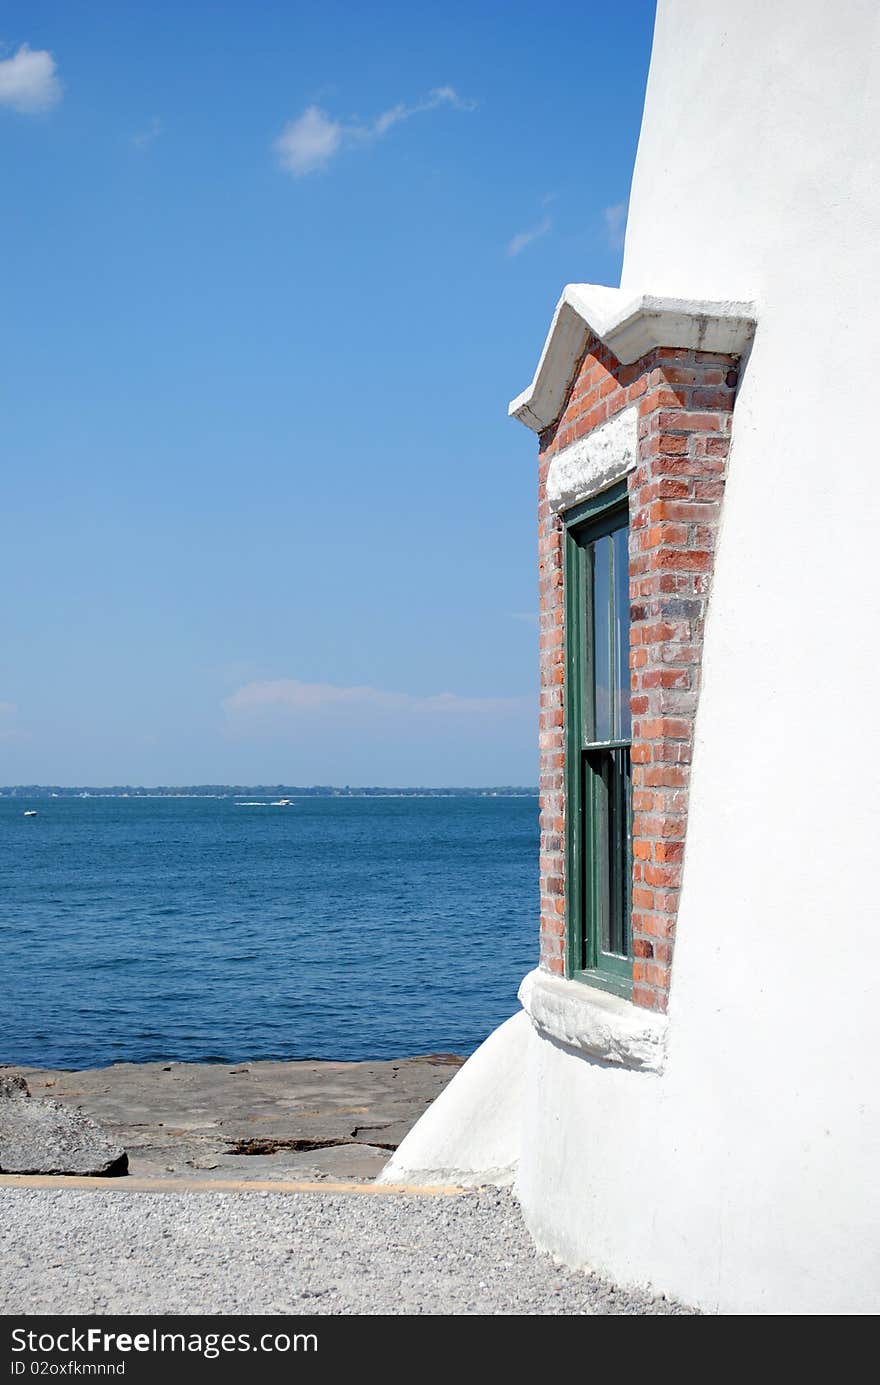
(264, 1120)
(184, 1233)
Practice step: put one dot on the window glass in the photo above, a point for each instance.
(598, 774)
(620, 634)
(602, 710)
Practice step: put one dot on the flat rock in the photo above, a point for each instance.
(43, 1136)
(247, 1120)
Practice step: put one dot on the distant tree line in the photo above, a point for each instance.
(257, 790)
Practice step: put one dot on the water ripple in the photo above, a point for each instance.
(182, 929)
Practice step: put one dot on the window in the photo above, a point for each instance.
(598, 736)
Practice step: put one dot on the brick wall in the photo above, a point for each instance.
(684, 400)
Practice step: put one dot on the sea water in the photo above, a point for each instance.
(141, 929)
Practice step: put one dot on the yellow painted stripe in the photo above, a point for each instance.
(129, 1184)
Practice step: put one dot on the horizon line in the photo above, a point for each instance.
(269, 788)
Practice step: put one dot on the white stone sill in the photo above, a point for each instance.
(594, 1022)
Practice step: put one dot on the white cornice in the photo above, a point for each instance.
(629, 327)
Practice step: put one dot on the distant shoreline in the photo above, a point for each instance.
(15, 791)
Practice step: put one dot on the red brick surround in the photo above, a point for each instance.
(684, 400)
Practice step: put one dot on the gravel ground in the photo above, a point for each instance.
(78, 1252)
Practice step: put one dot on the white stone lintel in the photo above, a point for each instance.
(594, 462)
(598, 1024)
(629, 326)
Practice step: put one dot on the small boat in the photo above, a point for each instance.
(30, 812)
(280, 803)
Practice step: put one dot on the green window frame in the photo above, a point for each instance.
(598, 742)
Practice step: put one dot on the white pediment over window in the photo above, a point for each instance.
(629, 326)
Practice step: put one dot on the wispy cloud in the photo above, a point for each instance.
(328, 732)
(615, 224)
(29, 81)
(307, 144)
(272, 704)
(522, 239)
(144, 138)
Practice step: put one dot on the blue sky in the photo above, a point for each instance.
(270, 274)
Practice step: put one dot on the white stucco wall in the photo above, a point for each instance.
(471, 1133)
(745, 1176)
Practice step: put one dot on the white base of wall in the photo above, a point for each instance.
(688, 1183)
(661, 1180)
(472, 1133)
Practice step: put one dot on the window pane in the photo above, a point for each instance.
(619, 832)
(598, 932)
(608, 858)
(627, 849)
(611, 933)
(623, 720)
(603, 864)
(602, 639)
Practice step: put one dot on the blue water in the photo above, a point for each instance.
(198, 929)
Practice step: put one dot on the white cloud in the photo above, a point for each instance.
(615, 224)
(326, 733)
(524, 238)
(29, 81)
(144, 138)
(291, 701)
(308, 143)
